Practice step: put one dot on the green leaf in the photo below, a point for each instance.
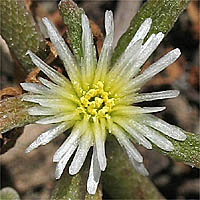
(68, 187)
(121, 181)
(13, 113)
(187, 151)
(97, 196)
(19, 31)
(164, 14)
(71, 15)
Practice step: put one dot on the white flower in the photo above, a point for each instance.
(99, 100)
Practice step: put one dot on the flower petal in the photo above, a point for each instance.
(146, 50)
(55, 76)
(63, 161)
(81, 153)
(168, 94)
(138, 137)
(94, 174)
(132, 110)
(165, 128)
(153, 136)
(40, 110)
(141, 32)
(107, 49)
(100, 144)
(139, 167)
(152, 96)
(115, 76)
(63, 51)
(49, 101)
(56, 119)
(124, 141)
(77, 131)
(155, 68)
(49, 135)
(89, 53)
(35, 88)
(67, 92)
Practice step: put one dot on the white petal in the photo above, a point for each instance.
(35, 88)
(100, 145)
(115, 76)
(49, 135)
(109, 23)
(94, 174)
(62, 50)
(40, 110)
(67, 92)
(56, 119)
(107, 49)
(141, 32)
(43, 100)
(47, 83)
(55, 76)
(51, 102)
(155, 96)
(89, 52)
(124, 141)
(154, 136)
(150, 45)
(36, 97)
(63, 161)
(162, 126)
(81, 153)
(132, 110)
(77, 131)
(72, 139)
(152, 96)
(139, 167)
(55, 88)
(147, 49)
(155, 68)
(138, 137)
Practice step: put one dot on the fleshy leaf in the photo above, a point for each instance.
(187, 151)
(71, 15)
(20, 32)
(163, 13)
(13, 114)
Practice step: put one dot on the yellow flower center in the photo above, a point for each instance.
(96, 102)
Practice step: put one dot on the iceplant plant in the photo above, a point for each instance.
(98, 100)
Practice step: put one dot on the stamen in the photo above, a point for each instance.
(95, 102)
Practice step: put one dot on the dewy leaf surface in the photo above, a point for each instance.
(71, 15)
(187, 151)
(13, 114)
(19, 31)
(163, 13)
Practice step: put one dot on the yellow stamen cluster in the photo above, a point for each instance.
(96, 102)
